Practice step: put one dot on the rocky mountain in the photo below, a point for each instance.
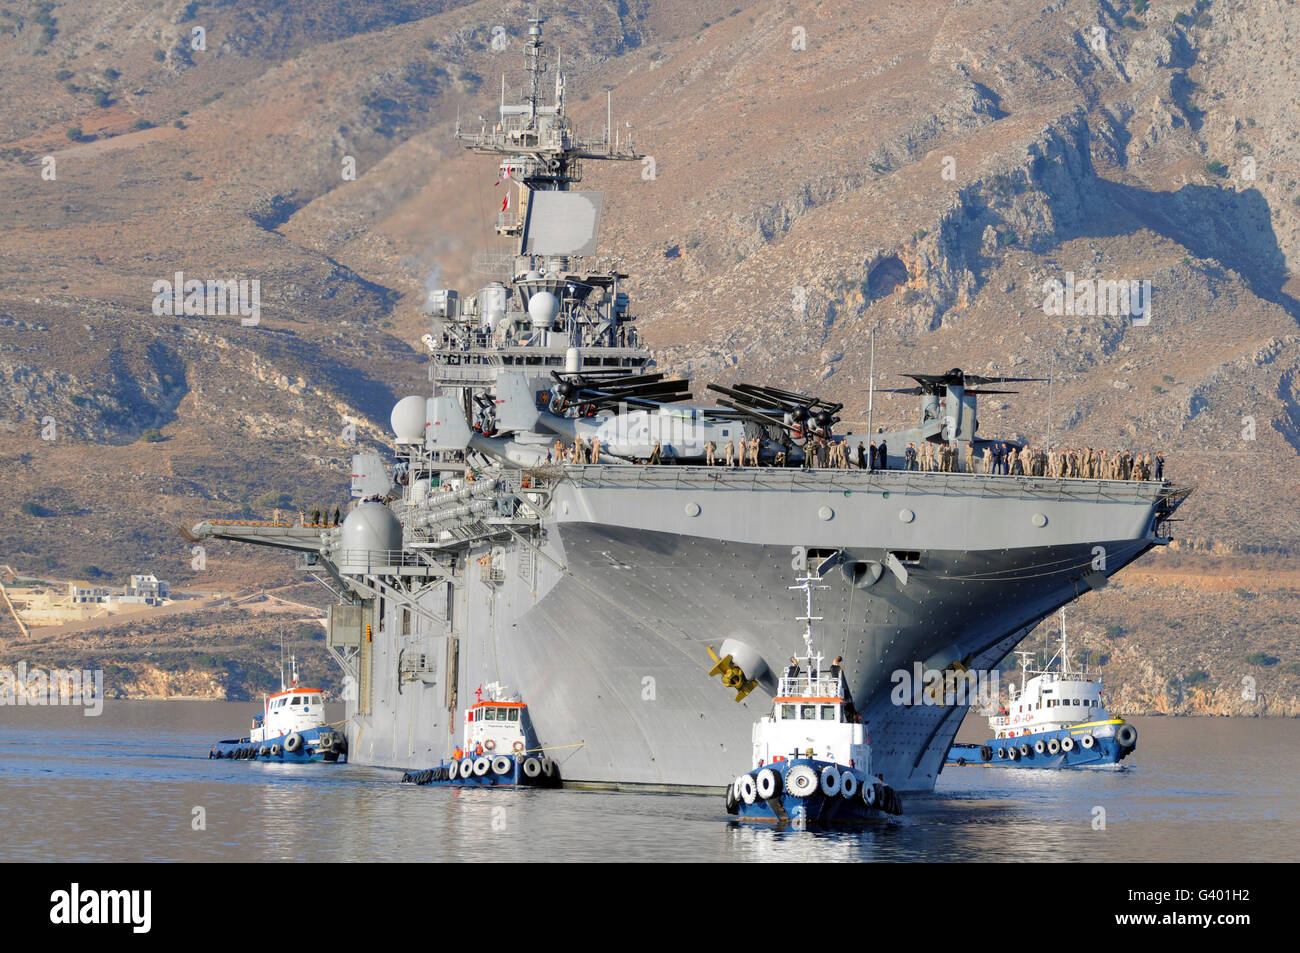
(821, 176)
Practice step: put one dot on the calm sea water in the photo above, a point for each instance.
(125, 787)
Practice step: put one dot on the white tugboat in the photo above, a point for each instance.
(290, 727)
(499, 748)
(1055, 718)
(812, 755)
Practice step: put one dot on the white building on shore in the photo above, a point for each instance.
(147, 589)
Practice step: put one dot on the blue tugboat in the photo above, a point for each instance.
(500, 748)
(812, 756)
(1055, 719)
(291, 727)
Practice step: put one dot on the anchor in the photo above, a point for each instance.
(937, 692)
(733, 676)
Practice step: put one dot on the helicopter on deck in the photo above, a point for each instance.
(948, 409)
(631, 415)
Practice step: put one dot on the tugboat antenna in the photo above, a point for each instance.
(1064, 652)
(806, 585)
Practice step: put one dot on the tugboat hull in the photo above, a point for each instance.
(488, 771)
(308, 744)
(1095, 745)
(807, 793)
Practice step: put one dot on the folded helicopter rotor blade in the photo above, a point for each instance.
(653, 389)
(633, 400)
(640, 402)
(756, 415)
(979, 379)
(777, 392)
(598, 378)
(750, 395)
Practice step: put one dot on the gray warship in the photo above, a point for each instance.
(631, 594)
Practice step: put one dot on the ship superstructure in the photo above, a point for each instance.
(500, 545)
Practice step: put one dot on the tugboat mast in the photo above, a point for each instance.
(806, 586)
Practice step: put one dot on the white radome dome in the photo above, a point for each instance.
(370, 529)
(543, 308)
(408, 420)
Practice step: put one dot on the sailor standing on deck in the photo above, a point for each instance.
(731, 453)
(862, 455)
(884, 455)
(709, 449)
(595, 450)
(970, 457)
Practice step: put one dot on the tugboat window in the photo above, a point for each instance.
(788, 713)
(297, 700)
(514, 714)
(808, 712)
(828, 712)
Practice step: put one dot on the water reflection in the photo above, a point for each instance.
(125, 787)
